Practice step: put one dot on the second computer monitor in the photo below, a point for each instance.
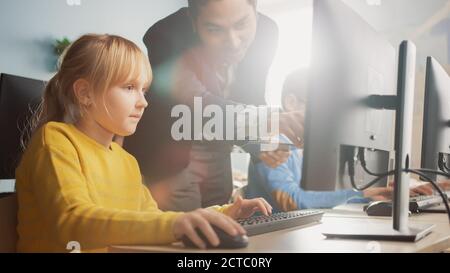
(436, 119)
(350, 62)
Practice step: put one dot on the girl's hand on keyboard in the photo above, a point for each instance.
(244, 208)
(202, 219)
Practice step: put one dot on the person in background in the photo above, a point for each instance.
(219, 51)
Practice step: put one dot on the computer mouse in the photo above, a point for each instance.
(227, 241)
(379, 208)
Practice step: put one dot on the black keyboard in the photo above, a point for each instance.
(263, 224)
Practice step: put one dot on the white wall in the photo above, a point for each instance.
(29, 27)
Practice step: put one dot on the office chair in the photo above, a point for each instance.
(19, 98)
(8, 223)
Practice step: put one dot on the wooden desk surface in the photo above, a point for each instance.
(310, 239)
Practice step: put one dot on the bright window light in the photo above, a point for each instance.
(294, 48)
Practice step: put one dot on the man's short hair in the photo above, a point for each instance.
(194, 5)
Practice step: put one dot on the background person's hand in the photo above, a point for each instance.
(422, 189)
(187, 223)
(444, 185)
(428, 189)
(244, 208)
(379, 193)
(425, 188)
(274, 159)
(386, 193)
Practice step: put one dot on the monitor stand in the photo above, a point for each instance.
(379, 232)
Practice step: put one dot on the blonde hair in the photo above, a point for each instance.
(102, 60)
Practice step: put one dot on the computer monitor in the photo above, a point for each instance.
(436, 119)
(19, 97)
(357, 90)
(350, 61)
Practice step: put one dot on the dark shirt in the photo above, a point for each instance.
(168, 41)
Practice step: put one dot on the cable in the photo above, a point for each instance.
(446, 169)
(443, 164)
(433, 172)
(362, 158)
(420, 172)
(435, 185)
(351, 172)
(368, 185)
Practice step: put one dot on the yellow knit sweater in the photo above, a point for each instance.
(71, 188)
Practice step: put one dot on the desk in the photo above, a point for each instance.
(310, 239)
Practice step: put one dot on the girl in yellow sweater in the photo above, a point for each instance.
(75, 184)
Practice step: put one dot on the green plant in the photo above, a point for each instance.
(61, 45)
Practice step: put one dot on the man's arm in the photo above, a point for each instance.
(166, 43)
